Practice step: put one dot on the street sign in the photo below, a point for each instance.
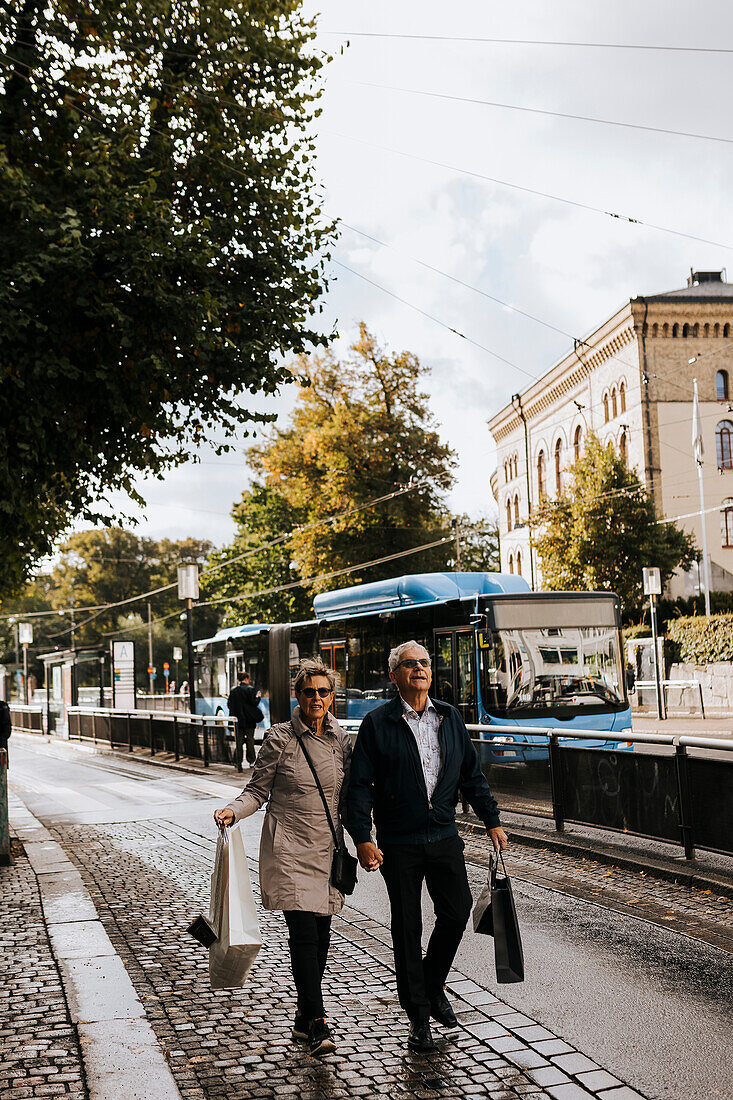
(177, 653)
(652, 582)
(123, 675)
(25, 633)
(152, 670)
(166, 666)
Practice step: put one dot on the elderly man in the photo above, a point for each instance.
(411, 757)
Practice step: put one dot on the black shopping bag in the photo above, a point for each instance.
(508, 953)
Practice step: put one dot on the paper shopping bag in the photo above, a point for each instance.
(508, 953)
(232, 914)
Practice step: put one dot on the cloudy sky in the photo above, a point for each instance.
(395, 101)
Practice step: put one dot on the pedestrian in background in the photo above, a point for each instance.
(296, 844)
(411, 757)
(6, 724)
(244, 705)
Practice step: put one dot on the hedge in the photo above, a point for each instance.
(702, 641)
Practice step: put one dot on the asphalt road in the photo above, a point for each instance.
(642, 1001)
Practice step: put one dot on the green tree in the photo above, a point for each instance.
(361, 428)
(603, 528)
(161, 235)
(479, 544)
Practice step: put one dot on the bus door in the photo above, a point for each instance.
(234, 666)
(333, 654)
(454, 671)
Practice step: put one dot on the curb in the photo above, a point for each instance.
(121, 1056)
(614, 857)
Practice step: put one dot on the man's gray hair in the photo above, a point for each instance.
(313, 666)
(395, 655)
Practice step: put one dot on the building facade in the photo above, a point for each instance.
(631, 383)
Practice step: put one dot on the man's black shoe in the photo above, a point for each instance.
(320, 1040)
(420, 1037)
(440, 1010)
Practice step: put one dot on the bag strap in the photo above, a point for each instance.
(318, 784)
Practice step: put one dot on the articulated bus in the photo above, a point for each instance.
(503, 655)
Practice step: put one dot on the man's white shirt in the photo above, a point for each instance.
(425, 728)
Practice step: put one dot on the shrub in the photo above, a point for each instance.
(700, 640)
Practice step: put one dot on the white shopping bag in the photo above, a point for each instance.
(233, 914)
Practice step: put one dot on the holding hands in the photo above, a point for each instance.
(369, 855)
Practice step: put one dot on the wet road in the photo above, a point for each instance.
(642, 1001)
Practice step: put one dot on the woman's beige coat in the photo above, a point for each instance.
(296, 845)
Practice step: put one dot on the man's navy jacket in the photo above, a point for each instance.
(386, 778)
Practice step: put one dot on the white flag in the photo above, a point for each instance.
(697, 448)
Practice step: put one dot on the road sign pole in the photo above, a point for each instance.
(655, 645)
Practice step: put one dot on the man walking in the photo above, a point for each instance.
(411, 757)
(243, 703)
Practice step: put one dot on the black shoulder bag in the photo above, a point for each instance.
(343, 864)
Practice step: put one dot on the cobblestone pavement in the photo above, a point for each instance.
(39, 1051)
(688, 910)
(148, 879)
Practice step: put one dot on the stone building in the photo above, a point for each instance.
(631, 382)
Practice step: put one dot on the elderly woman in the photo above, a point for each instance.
(296, 845)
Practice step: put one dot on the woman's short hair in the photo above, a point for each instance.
(396, 654)
(313, 666)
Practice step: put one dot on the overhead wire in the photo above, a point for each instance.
(525, 41)
(541, 111)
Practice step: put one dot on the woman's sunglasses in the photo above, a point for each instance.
(310, 693)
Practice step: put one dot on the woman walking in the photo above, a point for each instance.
(296, 845)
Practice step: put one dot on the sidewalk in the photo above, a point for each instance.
(146, 878)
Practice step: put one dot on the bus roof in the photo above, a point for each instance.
(414, 590)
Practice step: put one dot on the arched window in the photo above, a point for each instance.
(706, 330)
(723, 437)
(675, 330)
(716, 330)
(508, 514)
(721, 385)
(516, 510)
(519, 562)
(541, 475)
(558, 465)
(726, 331)
(614, 403)
(696, 329)
(605, 408)
(623, 449)
(622, 397)
(577, 440)
(516, 466)
(655, 329)
(685, 330)
(511, 564)
(665, 329)
(726, 523)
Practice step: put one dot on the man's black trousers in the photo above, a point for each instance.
(442, 867)
(309, 938)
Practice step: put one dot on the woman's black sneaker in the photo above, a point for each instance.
(300, 1027)
(320, 1040)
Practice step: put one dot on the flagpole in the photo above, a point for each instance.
(697, 450)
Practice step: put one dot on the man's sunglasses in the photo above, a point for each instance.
(412, 662)
(310, 693)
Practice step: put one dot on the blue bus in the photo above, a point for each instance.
(506, 657)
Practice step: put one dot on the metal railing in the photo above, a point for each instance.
(27, 716)
(206, 737)
(676, 797)
(649, 685)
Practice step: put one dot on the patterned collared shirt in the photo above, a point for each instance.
(425, 728)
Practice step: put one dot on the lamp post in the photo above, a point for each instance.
(25, 637)
(188, 590)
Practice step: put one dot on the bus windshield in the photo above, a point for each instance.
(551, 670)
